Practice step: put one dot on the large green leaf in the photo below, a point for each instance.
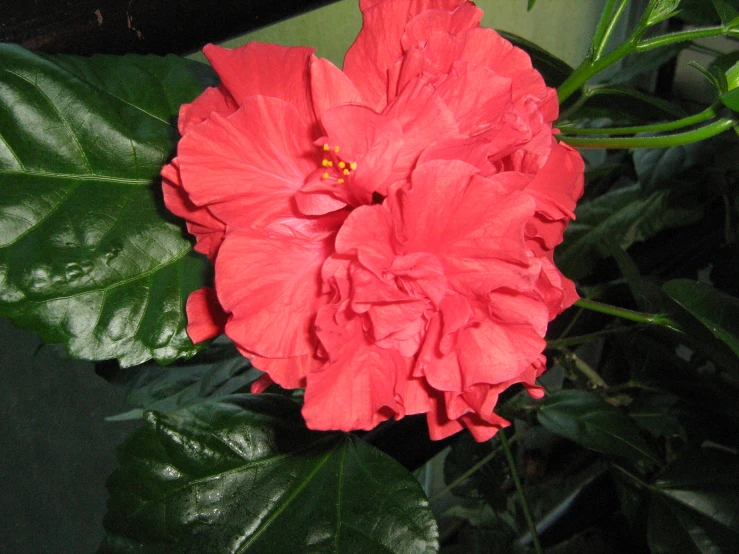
(718, 311)
(245, 475)
(88, 255)
(593, 423)
(623, 217)
(694, 507)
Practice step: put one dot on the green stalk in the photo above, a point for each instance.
(615, 18)
(662, 141)
(600, 29)
(631, 315)
(680, 36)
(560, 344)
(586, 70)
(519, 488)
(705, 115)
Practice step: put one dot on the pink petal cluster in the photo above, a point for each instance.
(381, 236)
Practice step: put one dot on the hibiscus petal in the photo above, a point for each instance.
(356, 389)
(331, 87)
(205, 316)
(558, 185)
(247, 167)
(267, 70)
(271, 285)
(289, 373)
(371, 140)
(378, 45)
(208, 230)
(368, 232)
(212, 100)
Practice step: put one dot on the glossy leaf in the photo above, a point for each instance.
(171, 388)
(718, 311)
(701, 12)
(593, 423)
(244, 475)
(731, 99)
(694, 506)
(88, 255)
(622, 216)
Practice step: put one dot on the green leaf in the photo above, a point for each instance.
(553, 69)
(89, 257)
(593, 423)
(731, 99)
(726, 12)
(243, 474)
(530, 5)
(645, 62)
(694, 507)
(624, 106)
(656, 167)
(171, 388)
(718, 311)
(701, 12)
(622, 216)
(659, 10)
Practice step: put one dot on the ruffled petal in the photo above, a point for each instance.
(247, 167)
(271, 286)
(378, 45)
(266, 70)
(212, 100)
(208, 230)
(331, 87)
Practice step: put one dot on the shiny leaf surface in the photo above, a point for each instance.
(718, 311)
(88, 257)
(694, 507)
(593, 423)
(245, 475)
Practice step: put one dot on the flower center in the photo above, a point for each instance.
(336, 168)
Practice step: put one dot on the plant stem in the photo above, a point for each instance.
(705, 115)
(467, 474)
(586, 370)
(522, 496)
(655, 319)
(662, 141)
(680, 36)
(609, 29)
(589, 68)
(600, 30)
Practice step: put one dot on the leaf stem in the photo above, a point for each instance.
(705, 115)
(680, 36)
(522, 496)
(467, 474)
(615, 18)
(661, 141)
(640, 317)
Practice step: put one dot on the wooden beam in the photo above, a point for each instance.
(86, 27)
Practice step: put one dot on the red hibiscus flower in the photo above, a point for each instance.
(381, 236)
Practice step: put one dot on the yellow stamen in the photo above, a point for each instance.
(342, 165)
(325, 175)
(353, 165)
(346, 172)
(324, 163)
(336, 148)
(340, 181)
(326, 147)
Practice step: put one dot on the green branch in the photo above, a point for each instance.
(631, 315)
(660, 141)
(705, 115)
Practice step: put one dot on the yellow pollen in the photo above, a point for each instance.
(326, 147)
(353, 166)
(324, 163)
(346, 172)
(325, 175)
(342, 165)
(340, 181)
(336, 148)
